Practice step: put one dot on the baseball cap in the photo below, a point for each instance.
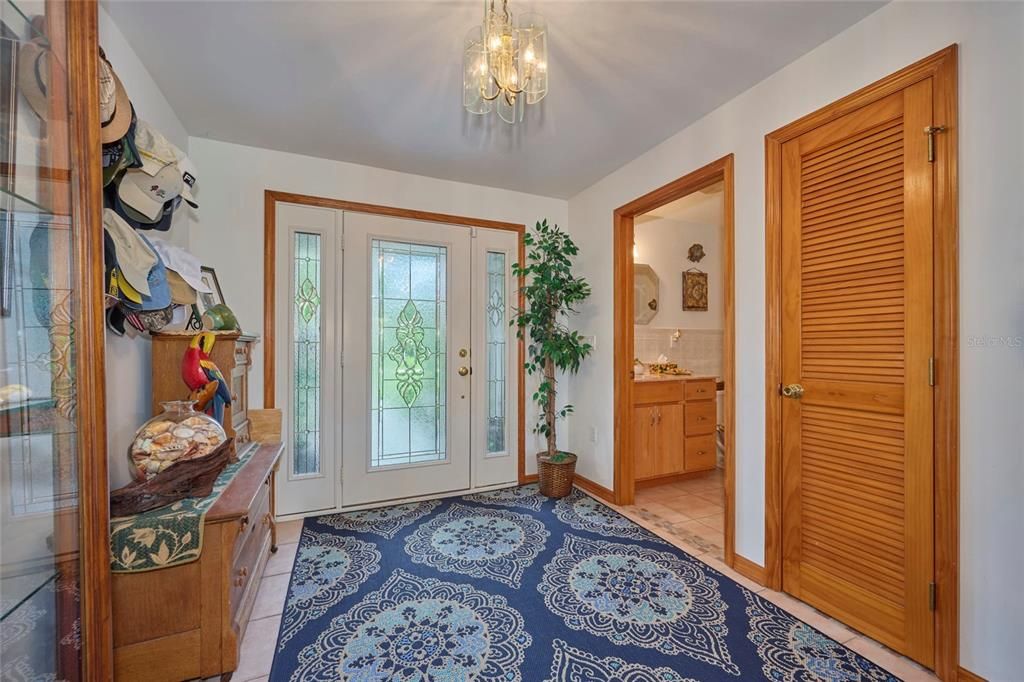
(154, 148)
(159, 296)
(115, 126)
(133, 217)
(147, 193)
(134, 256)
(182, 262)
(188, 180)
(182, 292)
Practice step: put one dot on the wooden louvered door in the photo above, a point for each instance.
(857, 308)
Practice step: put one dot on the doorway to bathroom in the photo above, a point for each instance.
(674, 359)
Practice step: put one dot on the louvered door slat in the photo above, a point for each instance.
(856, 335)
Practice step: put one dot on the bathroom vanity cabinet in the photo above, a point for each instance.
(674, 426)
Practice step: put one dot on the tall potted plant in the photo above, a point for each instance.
(551, 293)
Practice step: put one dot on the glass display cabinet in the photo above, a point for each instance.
(53, 463)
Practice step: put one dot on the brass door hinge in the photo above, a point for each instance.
(931, 596)
(930, 132)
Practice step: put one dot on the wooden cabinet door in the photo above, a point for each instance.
(857, 336)
(643, 441)
(669, 442)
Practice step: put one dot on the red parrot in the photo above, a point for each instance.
(198, 370)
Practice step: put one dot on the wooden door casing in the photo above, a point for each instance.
(857, 334)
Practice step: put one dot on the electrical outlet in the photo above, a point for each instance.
(593, 434)
(592, 340)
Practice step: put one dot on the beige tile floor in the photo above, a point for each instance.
(688, 514)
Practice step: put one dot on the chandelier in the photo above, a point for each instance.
(505, 63)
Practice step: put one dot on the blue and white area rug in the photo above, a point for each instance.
(514, 587)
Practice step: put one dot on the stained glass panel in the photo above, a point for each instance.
(497, 328)
(307, 353)
(408, 353)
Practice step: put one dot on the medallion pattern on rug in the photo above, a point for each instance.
(524, 496)
(793, 651)
(383, 521)
(418, 629)
(583, 512)
(511, 586)
(328, 568)
(478, 542)
(573, 665)
(635, 596)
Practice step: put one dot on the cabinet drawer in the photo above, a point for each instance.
(699, 389)
(653, 392)
(245, 568)
(700, 418)
(700, 453)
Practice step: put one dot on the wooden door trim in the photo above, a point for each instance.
(942, 68)
(270, 201)
(720, 170)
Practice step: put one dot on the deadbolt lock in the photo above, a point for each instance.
(794, 391)
(463, 352)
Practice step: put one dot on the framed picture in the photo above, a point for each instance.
(206, 301)
(695, 290)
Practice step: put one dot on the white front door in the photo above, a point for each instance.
(422, 400)
(407, 339)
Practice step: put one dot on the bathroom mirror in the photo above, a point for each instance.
(646, 294)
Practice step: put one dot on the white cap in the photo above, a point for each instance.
(182, 262)
(147, 194)
(188, 179)
(155, 150)
(134, 257)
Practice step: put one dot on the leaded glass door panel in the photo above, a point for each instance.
(407, 340)
(308, 255)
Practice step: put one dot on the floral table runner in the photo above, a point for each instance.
(170, 535)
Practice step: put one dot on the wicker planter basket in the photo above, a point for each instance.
(556, 477)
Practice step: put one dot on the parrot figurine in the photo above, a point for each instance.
(198, 370)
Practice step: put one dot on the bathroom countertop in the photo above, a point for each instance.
(648, 378)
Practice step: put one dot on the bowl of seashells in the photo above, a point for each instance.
(178, 433)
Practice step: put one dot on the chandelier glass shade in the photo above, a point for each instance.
(505, 63)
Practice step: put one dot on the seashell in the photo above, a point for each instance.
(195, 421)
(152, 467)
(163, 439)
(183, 432)
(146, 446)
(165, 464)
(156, 428)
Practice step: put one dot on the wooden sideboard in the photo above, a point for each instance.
(232, 353)
(674, 427)
(187, 621)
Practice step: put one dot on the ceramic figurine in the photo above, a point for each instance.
(198, 370)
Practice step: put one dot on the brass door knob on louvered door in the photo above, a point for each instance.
(794, 391)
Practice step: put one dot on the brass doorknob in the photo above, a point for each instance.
(463, 371)
(794, 391)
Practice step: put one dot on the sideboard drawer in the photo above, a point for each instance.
(251, 542)
(655, 392)
(700, 418)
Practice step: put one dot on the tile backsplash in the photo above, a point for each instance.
(699, 350)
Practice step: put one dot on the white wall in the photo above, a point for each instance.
(664, 244)
(128, 357)
(992, 282)
(228, 231)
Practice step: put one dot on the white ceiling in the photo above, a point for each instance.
(704, 207)
(379, 83)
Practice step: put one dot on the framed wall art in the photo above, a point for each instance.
(695, 290)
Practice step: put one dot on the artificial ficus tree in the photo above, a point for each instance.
(551, 294)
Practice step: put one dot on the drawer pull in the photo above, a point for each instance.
(702, 419)
(243, 571)
(700, 452)
(238, 582)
